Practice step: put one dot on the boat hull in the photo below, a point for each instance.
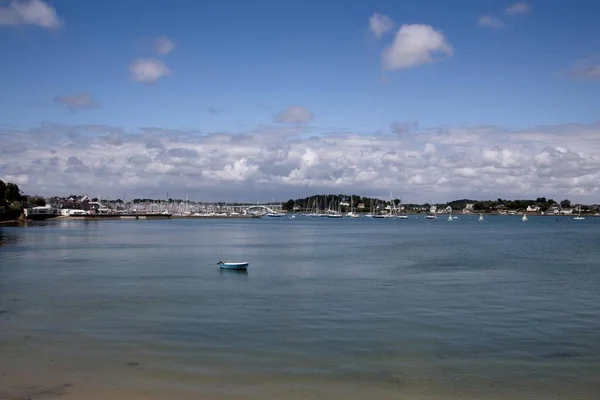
(242, 266)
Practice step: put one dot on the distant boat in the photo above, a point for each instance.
(480, 217)
(579, 214)
(275, 214)
(524, 218)
(450, 218)
(292, 217)
(431, 216)
(401, 216)
(352, 214)
(239, 266)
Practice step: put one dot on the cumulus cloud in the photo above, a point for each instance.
(163, 45)
(490, 22)
(438, 164)
(77, 101)
(518, 9)
(587, 69)
(29, 12)
(294, 115)
(380, 24)
(415, 45)
(148, 70)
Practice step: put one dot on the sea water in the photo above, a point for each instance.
(329, 308)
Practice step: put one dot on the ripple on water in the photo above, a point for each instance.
(337, 309)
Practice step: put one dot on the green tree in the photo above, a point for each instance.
(566, 203)
(2, 191)
(289, 205)
(12, 192)
(38, 201)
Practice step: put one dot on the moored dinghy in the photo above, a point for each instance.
(240, 266)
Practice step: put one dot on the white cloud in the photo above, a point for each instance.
(294, 115)
(415, 45)
(443, 164)
(490, 22)
(380, 24)
(518, 9)
(148, 70)
(29, 12)
(77, 101)
(163, 45)
(588, 68)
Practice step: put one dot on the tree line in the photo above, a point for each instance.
(13, 201)
(323, 201)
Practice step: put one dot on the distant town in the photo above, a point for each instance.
(15, 205)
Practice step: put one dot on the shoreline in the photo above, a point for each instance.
(181, 217)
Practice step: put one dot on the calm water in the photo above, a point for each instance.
(336, 309)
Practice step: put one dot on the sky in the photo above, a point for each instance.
(432, 100)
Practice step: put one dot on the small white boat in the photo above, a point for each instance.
(524, 218)
(431, 216)
(275, 215)
(401, 216)
(293, 217)
(480, 217)
(449, 218)
(240, 266)
(579, 217)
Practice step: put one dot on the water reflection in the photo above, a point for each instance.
(8, 239)
(232, 272)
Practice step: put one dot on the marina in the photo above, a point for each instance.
(326, 206)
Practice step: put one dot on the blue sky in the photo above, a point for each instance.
(240, 55)
(253, 59)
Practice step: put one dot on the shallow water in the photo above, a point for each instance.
(337, 309)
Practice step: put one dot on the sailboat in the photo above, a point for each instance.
(450, 218)
(352, 214)
(432, 212)
(480, 217)
(332, 213)
(579, 214)
(524, 218)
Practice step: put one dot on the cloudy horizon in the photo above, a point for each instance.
(409, 103)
